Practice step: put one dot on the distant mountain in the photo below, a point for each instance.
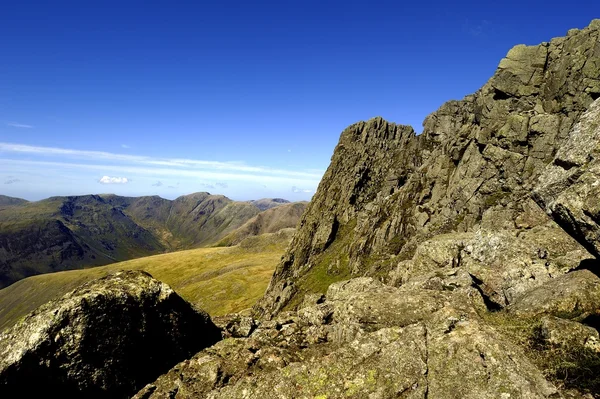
(270, 221)
(268, 203)
(63, 233)
(7, 201)
(189, 221)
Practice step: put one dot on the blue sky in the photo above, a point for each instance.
(241, 98)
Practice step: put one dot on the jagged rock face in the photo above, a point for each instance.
(474, 166)
(105, 339)
(569, 188)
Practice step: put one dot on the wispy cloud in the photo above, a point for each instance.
(113, 180)
(12, 181)
(222, 185)
(300, 190)
(157, 184)
(182, 165)
(206, 185)
(19, 125)
(476, 29)
(125, 146)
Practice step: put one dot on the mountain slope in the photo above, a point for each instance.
(267, 203)
(269, 221)
(188, 221)
(63, 233)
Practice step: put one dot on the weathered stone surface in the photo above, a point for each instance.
(503, 264)
(105, 339)
(561, 332)
(575, 295)
(468, 359)
(474, 166)
(235, 325)
(375, 342)
(570, 187)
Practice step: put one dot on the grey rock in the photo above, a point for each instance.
(561, 332)
(570, 186)
(378, 343)
(105, 339)
(575, 295)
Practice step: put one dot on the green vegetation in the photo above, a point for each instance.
(331, 266)
(218, 280)
(569, 366)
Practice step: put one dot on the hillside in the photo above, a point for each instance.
(267, 203)
(269, 221)
(8, 201)
(63, 233)
(219, 280)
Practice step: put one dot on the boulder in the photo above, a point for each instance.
(106, 339)
(575, 296)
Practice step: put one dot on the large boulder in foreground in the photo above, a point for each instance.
(107, 338)
(569, 188)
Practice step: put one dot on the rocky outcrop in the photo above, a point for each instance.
(569, 188)
(474, 166)
(363, 339)
(105, 339)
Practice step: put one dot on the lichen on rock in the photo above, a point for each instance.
(105, 339)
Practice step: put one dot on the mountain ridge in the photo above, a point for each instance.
(63, 233)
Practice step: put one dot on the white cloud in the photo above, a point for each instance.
(182, 164)
(165, 172)
(222, 185)
(125, 146)
(113, 180)
(300, 190)
(19, 125)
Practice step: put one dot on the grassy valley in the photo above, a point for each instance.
(219, 280)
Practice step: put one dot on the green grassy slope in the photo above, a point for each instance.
(219, 280)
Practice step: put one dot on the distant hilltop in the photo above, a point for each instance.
(62, 233)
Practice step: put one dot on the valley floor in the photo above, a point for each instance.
(218, 280)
